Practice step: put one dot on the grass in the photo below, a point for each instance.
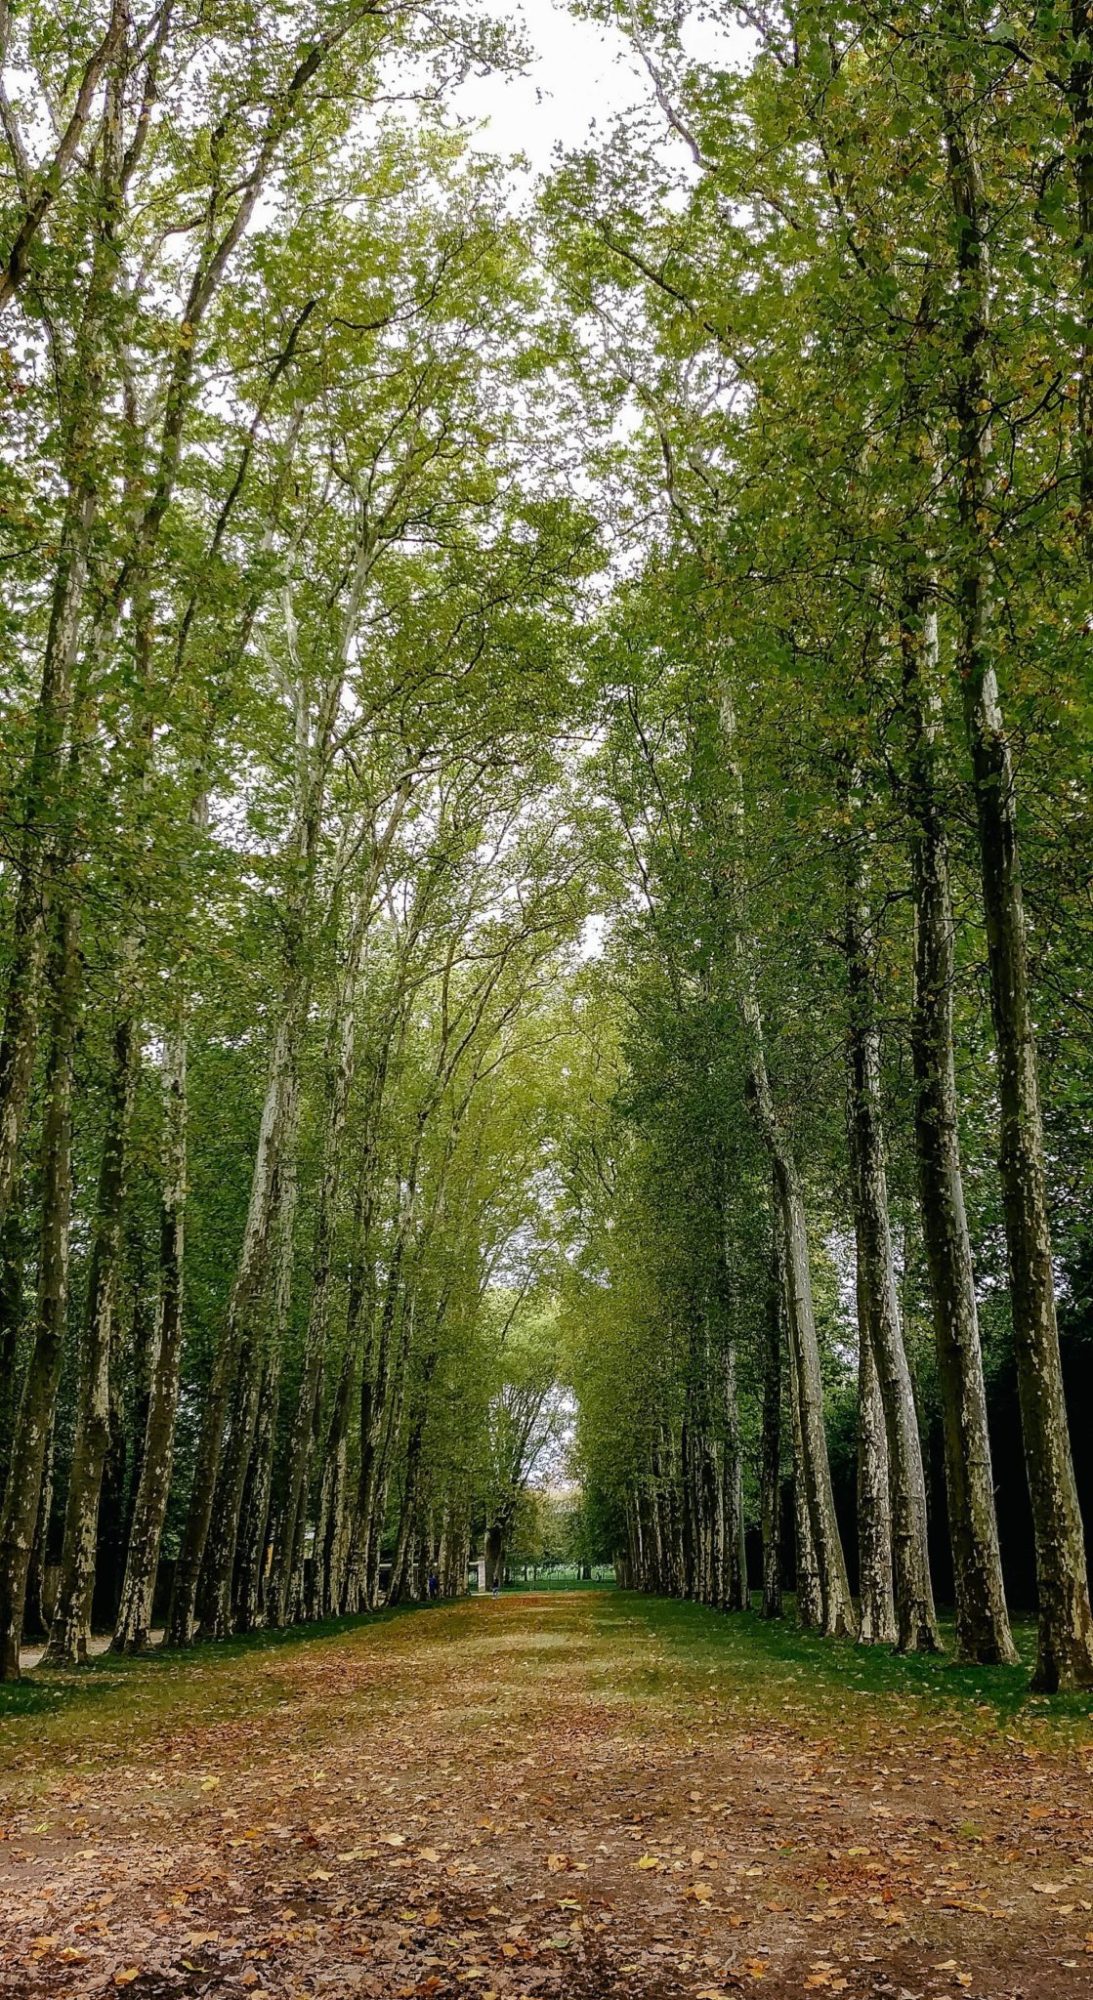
(151, 1684)
(773, 1666)
(766, 1667)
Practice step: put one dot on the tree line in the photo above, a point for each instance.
(844, 326)
(545, 816)
(287, 882)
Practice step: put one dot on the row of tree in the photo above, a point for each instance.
(287, 881)
(844, 327)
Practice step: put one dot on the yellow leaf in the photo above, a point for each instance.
(127, 1977)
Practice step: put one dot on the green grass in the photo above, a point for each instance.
(155, 1682)
(776, 1667)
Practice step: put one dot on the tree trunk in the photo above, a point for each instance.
(36, 1610)
(71, 1626)
(133, 1425)
(881, 1334)
(301, 1451)
(658, 1576)
(246, 1295)
(982, 1622)
(878, 1615)
(809, 1595)
(838, 1615)
(495, 1557)
(39, 1395)
(770, 1454)
(376, 1398)
(400, 1583)
(134, 1620)
(113, 1532)
(1080, 97)
(11, 1321)
(736, 1597)
(254, 1514)
(1065, 1640)
(837, 1606)
(261, 1354)
(328, 1563)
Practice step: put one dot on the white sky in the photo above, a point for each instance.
(582, 75)
(581, 72)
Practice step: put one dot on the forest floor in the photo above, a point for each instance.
(557, 1795)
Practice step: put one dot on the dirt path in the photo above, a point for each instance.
(538, 1796)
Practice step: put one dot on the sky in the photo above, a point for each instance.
(583, 73)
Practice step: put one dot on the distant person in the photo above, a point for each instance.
(433, 1584)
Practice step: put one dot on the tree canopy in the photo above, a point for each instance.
(545, 819)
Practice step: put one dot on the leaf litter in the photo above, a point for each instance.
(486, 1800)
